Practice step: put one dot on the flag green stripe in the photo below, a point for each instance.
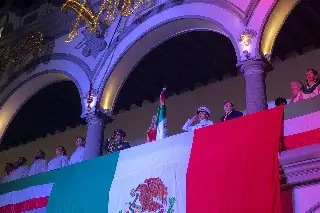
(161, 114)
(84, 187)
(44, 178)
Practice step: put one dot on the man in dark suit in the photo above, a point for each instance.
(230, 112)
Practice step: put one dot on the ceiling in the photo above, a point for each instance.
(182, 63)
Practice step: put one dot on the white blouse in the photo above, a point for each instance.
(58, 162)
(19, 173)
(77, 156)
(38, 167)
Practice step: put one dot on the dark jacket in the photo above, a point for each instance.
(232, 115)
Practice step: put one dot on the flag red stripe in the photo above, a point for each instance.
(287, 203)
(302, 139)
(234, 166)
(27, 205)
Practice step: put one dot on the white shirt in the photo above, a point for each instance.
(7, 178)
(19, 173)
(77, 156)
(298, 97)
(58, 162)
(38, 167)
(188, 125)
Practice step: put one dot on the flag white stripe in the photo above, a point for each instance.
(161, 129)
(26, 194)
(176, 147)
(302, 124)
(167, 159)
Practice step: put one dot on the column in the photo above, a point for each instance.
(254, 71)
(96, 122)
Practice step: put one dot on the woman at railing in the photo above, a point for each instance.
(61, 159)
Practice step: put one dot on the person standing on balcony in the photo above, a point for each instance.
(152, 131)
(312, 89)
(21, 169)
(61, 159)
(116, 142)
(230, 112)
(201, 119)
(77, 156)
(39, 165)
(296, 89)
(8, 169)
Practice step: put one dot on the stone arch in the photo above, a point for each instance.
(25, 89)
(156, 30)
(276, 19)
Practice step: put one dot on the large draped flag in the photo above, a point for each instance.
(162, 117)
(224, 168)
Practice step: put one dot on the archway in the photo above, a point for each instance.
(26, 90)
(298, 31)
(189, 65)
(274, 23)
(183, 63)
(157, 29)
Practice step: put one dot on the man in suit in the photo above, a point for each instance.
(230, 112)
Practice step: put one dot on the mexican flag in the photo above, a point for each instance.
(162, 117)
(216, 169)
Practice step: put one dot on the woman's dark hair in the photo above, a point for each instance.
(82, 138)
(280, 101)
(315, 72)
(64, 151)
(43, 155)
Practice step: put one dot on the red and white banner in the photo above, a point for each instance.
(32, 200)
(302, 131)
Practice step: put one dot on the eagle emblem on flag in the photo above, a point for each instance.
(151, 196)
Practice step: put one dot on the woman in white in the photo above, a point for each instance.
(61, 159)
(77, 156)
(39, 165)
(8, 170)
(21, 169)
(296, 90)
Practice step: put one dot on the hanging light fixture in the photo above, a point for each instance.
(107, 13)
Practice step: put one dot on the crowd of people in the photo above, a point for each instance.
(116, 142)
(19, 168)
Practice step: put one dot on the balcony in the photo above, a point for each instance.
(299, 165)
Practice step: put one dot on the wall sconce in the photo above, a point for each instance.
(91, 98)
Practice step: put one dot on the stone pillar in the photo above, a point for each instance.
(96, 122)
(254, 71)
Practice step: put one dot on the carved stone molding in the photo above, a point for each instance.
(246, 36)
(92, 44)
(256, 65)
(301, 165)
(46, 59)
(97, 117)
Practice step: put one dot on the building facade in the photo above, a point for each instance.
(99, 63)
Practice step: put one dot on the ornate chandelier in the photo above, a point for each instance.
(107, 13)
